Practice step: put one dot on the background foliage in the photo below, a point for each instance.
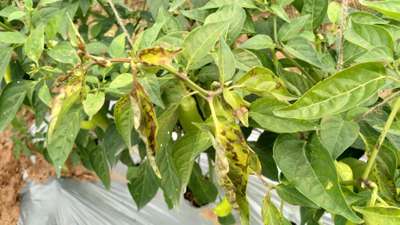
(169, 80)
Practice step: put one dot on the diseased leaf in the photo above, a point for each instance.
(11, 99)
(340, 92)
(238, 104)
(337, 134)
(315, 174)
(157, 57)
(145, 122)
(65, 122)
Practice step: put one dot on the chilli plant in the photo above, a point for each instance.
(302, 92)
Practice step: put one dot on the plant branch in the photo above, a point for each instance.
(192, 85)
(340, 52)
(381, 139)
(120, 23)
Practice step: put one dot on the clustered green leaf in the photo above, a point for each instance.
(162, 86)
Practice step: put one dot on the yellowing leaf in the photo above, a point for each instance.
(157, 56)
(145, 121)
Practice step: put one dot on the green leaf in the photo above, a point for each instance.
(143, 184)
(34, 44)
(123, 116)
(337, 134)
(12, 37)
(121, 85)
(184, 157)
(151, 84)
(334, 12)
(203, 189)
(238, 105)
(291, 195)
(263, 82)
(257, 42)
(199, 42)
(93, 103)
(340, 92)
(225, 60)
(98, 160)
(117, 46)
(280, 12)
(389, 8)
(304, 50)
(44, 94)
(245, 59)
(11, 100)
(380, 215)
(64, 53)
(62, 133)
(315, 174)
(261, 112)
(234, 17)
(113, 144)
(317, 9)
(270, 214)
(5, 57)
(293, 29)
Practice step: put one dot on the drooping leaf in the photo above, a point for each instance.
(340, 92)
(11, 100)
(44, 94)
(145, 122)
(65, 122)
(315, 174)
(337, 134)
(98, 160)
(291, 195)
(238, 104)
(202, 188)
(143, 184)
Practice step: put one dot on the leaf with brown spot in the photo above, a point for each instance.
(157, 56)
(145, 122)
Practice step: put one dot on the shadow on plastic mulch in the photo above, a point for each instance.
(72, 202)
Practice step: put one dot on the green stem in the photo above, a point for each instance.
(192, 85)
(6, 27)
(375, 150)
